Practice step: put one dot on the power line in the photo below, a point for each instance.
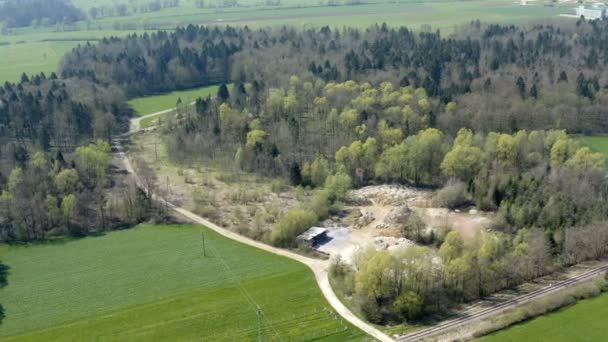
(259, 312)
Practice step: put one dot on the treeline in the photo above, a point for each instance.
(57, 196)
(47, 183)
(151, 63)
(124, 9)
(496, 75)
(51, 114)
(21, 13)
(419, 282)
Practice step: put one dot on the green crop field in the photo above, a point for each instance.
(29, 55)
(585, 321)
(152, 104)
(153, 283)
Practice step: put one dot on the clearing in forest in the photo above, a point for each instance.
(156, 103)
(155, 283)
(598, 143)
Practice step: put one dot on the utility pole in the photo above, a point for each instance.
(167, 198)
(260, 313)
(203, 239)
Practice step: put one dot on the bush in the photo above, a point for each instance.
(408, 305)
(291, 225)
(414, 228)
(319, 204)
(278, 186)
(337, 186)
(453, 196)
(371, 310)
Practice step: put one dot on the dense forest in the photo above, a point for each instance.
(53, 182)
(21, 13)
(496, 75)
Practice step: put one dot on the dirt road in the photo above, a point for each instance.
(318, 267)
(135, 123)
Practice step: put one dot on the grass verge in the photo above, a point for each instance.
(573, 323)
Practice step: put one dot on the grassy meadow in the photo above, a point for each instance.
(152, 104)
(582, 322)
(28, 46)
(154, 283)
(598, 143)
(31, 57)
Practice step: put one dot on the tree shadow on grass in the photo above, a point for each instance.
(3, 275)
(3, 282)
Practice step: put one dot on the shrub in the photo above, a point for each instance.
(337, 186)
(453, 196)
(408, 305)
(277, 186)
(319, 204)
(291, 225)
(414, 227)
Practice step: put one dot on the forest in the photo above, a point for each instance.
(304, 98)
(22, 13)
(550, 70)
(484, 116)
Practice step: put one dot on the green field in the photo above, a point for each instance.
(152, 104)
(598, 143)
(153, 283)
(585, 321)
(28, 56)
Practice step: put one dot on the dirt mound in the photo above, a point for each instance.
(392, 195)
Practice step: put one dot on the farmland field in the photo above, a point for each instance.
(152, 104)
(153, 283)
(584, 321)
(444, 15)
(31, 57)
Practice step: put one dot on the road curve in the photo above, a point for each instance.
(501, 307)
(135, 123)
(318, 267)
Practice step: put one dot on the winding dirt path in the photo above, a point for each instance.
(319, 267)
(135, 123)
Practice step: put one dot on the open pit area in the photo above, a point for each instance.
(374, 216)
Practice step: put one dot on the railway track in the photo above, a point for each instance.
(445, 326)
